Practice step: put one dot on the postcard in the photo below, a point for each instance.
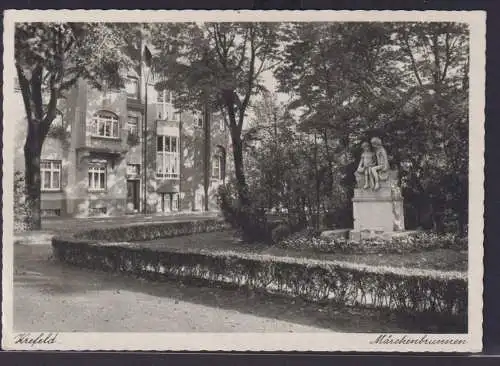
(243, 180)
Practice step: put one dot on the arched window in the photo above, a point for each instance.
(105, 124)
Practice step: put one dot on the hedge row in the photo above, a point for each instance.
(407, 290)
(153, 231)
(412, 242)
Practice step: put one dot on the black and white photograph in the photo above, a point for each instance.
(251, 180)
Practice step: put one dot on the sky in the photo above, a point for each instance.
(272, 85)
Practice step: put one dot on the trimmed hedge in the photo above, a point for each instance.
(406, 290)
(397, 244)
(153, 231)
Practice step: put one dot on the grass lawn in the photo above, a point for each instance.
(440, 259)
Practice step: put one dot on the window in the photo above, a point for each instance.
(222, 125)
(165, 106)
(167, 157)
(198, 120)
(51, 175)
(169, 202)
(217, 167)
(97, 178)
(50, 212)
(105, 124)
(175, 202)
(133, 125)
(98, 211)
(132, 87)
(133, 170)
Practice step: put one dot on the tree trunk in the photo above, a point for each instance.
(207, 155)
(330, 167)
(318, 183)
(463, 220)
(32, 153)
(241, 184)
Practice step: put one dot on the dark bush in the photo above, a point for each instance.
(280, 232)
(297, 221)
(133, 139)
(338, 218)
(250, 222)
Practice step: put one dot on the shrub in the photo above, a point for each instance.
(280, 232)
(58, 132)
(338, 218)
(401, 289)
(397, 244)
(250, 222)
(133, 139)
(21, 209)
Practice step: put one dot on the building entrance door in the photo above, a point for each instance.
(133, 193)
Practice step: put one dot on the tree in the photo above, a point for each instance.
(219, 66)
(285, 168)
(405, 82)
(436, 61)
(50, 58)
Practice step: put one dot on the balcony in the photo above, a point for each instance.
(112, 152)
(135, 104)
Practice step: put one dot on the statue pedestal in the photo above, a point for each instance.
(377, 212)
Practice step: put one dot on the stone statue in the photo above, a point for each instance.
(373, 165)
(377, 207)
(366, 162)
(381, 170)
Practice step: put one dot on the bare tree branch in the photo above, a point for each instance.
(447, 57)
(25, 91)
(251, 75)
(36, 91)
(410, 53)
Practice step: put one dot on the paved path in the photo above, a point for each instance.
(51, 296)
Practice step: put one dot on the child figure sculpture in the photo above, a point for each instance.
(366, 163)
(379, 172)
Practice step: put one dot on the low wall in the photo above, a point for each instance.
(350, 284)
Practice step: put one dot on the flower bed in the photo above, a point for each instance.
(406, 290)
(397, 244)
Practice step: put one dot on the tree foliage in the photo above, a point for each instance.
(405, 82)
(219, 65)
(289, 170)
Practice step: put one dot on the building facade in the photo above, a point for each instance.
(92, 160)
